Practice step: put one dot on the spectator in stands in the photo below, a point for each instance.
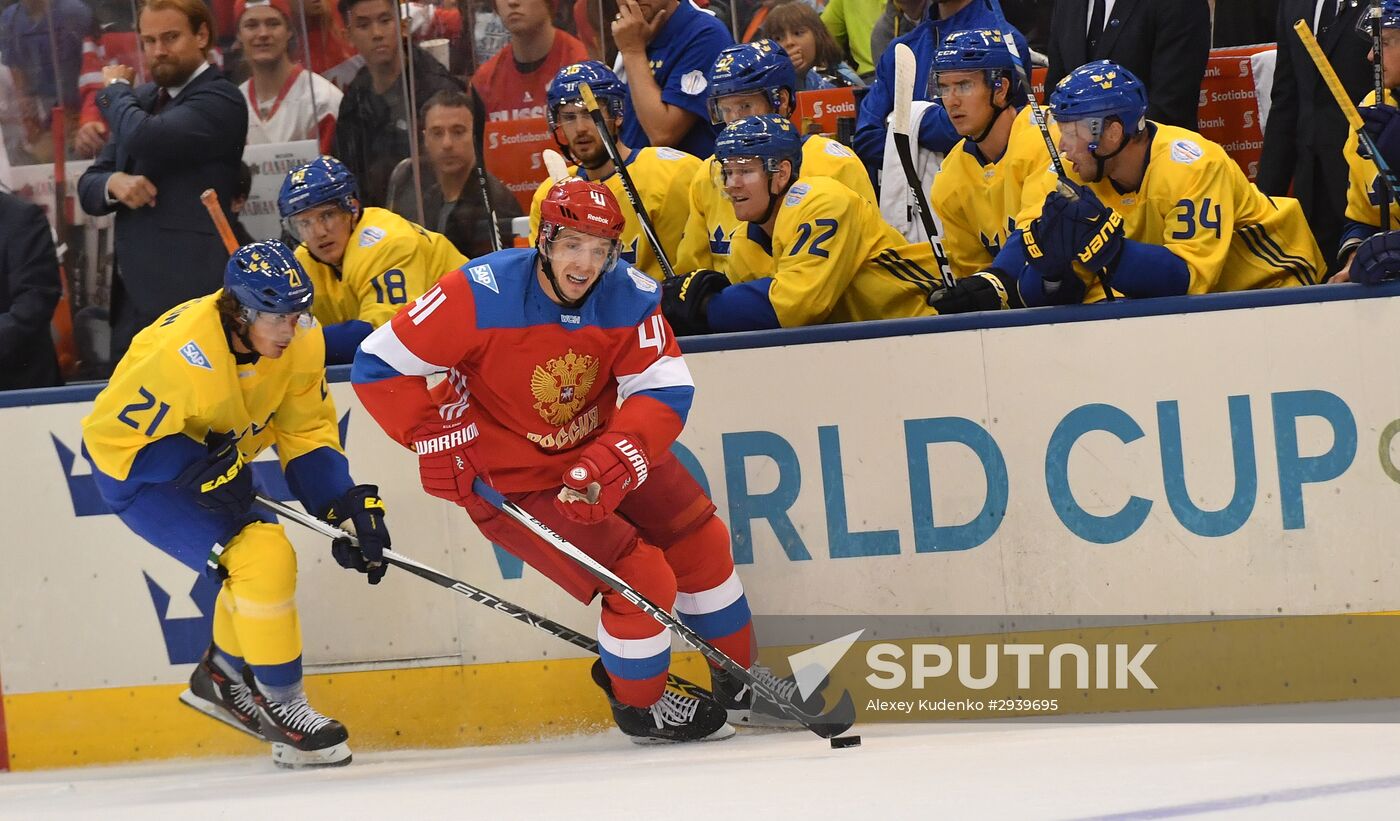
(285, 101)
(1165, 45)
(372, 133)
(328, 43)
(43, 77)
(936, 132)
(667, 48)
(113, 41)
(814, 54)
(851, 23)
(511, 85)
(170, 140)
(451, 180)
(900, 18)
(29, 290)
(1306, 130)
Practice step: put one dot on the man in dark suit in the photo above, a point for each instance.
(29, 290)
(1306, 130)
(170, 140)
(1165, 44)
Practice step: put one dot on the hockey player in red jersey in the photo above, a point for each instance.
(567, 390)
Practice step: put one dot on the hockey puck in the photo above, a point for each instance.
(842, 742)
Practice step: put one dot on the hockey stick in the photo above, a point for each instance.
(1378, 77)
(476, 594)
(1353, 117)
(591, 103)
(216, 214)
(904, 68)
(1043, 125)
(833, 723)
(490, 209)
(555, 165)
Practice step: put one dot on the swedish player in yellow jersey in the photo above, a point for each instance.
(365, 263)
(1159, 210)
(830, 256)
(1365, 192)
(200, 393)
(747, 80)
(977, 191)
(659, 174)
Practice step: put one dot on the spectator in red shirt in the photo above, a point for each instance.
(512, 83)
(332, 55)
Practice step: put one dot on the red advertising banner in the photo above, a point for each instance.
(818, 111)
(1229, 106)
(512, 149)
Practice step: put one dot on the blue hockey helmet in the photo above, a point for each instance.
(767, 136)
(1100, 91)
(978, 50)
(324, 179)
(746, 68)
(1389, 11)
(564, 88)
(265, 277)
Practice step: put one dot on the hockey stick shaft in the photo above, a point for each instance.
(1339, 93)
(610, 145)
(1378, 79)
(835, 722)
(441, 579)
(903, 144)
(216, 214)
(486, 202)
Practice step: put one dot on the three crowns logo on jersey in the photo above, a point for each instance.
(561, 386)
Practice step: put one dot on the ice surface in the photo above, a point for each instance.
(1286, 765)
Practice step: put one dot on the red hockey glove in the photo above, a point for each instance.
(445, 463)
(612, 466)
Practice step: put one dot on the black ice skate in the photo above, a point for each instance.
(300, 736)
(678, 716)
(737, 697)
(218, 696)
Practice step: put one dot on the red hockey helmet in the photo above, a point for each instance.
(582, 205)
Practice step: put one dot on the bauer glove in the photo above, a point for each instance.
(1377, 259)
(983, 291)
(685, 300)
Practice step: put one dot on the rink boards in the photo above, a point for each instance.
(1203, 457)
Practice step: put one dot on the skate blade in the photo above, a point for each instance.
(290, 758)
(721, 734)
(215, 711)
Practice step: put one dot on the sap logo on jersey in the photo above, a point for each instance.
(484, 276)
(195, 356)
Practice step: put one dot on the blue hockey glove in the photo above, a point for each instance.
(1083, 227)
(1377, 259)
(685, 299)
(221, 482)
(1382, 124)
(361, 512)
